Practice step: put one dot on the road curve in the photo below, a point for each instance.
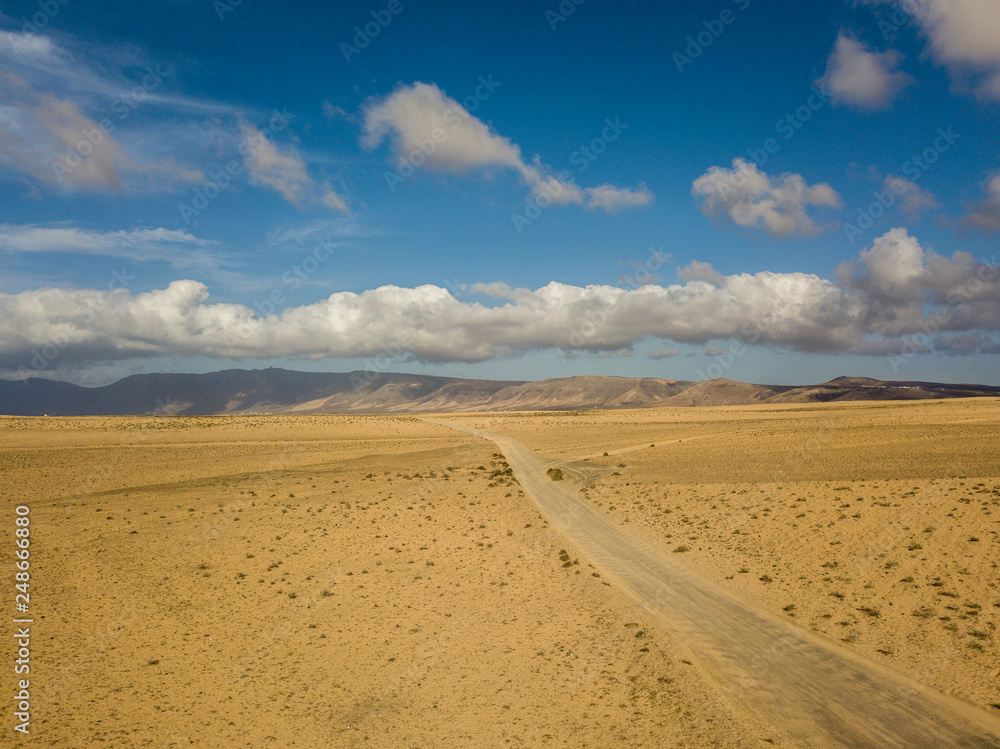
(812, 691)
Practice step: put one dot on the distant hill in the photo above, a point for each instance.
(237, 391)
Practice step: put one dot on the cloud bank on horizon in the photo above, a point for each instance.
(801, 200)
(894, 295)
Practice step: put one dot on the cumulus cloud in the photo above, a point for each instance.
(858, 77)
(178, 248)
(665, 352)
(411, 115)
(914, 201)
(284, 171)
(964, 35)
(427, 322)
(963, 344)
(429, 129)
(699, 271)
(748, 197)
(893, 290)
(984, 215)
(496, 290)
(894, 266)
(910, 289)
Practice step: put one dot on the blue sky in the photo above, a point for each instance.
(771, 192)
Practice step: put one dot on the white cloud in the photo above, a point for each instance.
(426, 322)
(894, 289)
(331, 112)
(984, 215)
(431, 130)
(88, 118)
(699, 271)
(284, 171)
(30, 48)
(752, 198)
(330, 199)
(914, 201)
(178, 248)
(611, 198)
(317, 231)
(496, 290)
(894, 266)
(95, 75)
(909, 289)
(964, 35)
(52, 141)
(412, 115)
(47, 134)
(858, 77)
(665, 352)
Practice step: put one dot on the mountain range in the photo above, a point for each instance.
(239, 391)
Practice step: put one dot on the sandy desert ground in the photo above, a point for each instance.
(382, 581)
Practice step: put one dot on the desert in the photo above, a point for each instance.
(383, 580)
(564, 374)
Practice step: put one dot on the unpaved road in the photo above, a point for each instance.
(810, 691)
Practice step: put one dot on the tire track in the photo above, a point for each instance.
(811, 690)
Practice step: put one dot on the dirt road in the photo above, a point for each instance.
(811, 691)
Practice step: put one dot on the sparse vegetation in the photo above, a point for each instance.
(411, 548)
